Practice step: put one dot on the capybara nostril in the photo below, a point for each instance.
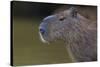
(42, 31)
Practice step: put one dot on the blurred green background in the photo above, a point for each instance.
(27, 46)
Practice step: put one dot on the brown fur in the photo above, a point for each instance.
(79, 34)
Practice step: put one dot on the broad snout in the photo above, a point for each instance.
(42, 32)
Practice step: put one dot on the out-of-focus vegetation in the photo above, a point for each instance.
(28, 48)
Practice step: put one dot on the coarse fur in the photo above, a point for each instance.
(78, 33)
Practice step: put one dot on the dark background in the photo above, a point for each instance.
(29, 9)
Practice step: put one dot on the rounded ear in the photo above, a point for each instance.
(73, 12)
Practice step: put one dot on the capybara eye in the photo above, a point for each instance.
(62, 18)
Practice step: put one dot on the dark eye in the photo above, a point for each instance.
(61, 18)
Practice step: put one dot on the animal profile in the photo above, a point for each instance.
(78, 33)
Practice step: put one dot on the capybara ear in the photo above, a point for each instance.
(73, 12)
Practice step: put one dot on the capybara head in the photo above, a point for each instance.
(55, 26)
(76, 31)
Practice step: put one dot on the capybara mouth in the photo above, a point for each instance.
(42, 39)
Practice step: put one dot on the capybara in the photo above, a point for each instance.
(78, 33)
